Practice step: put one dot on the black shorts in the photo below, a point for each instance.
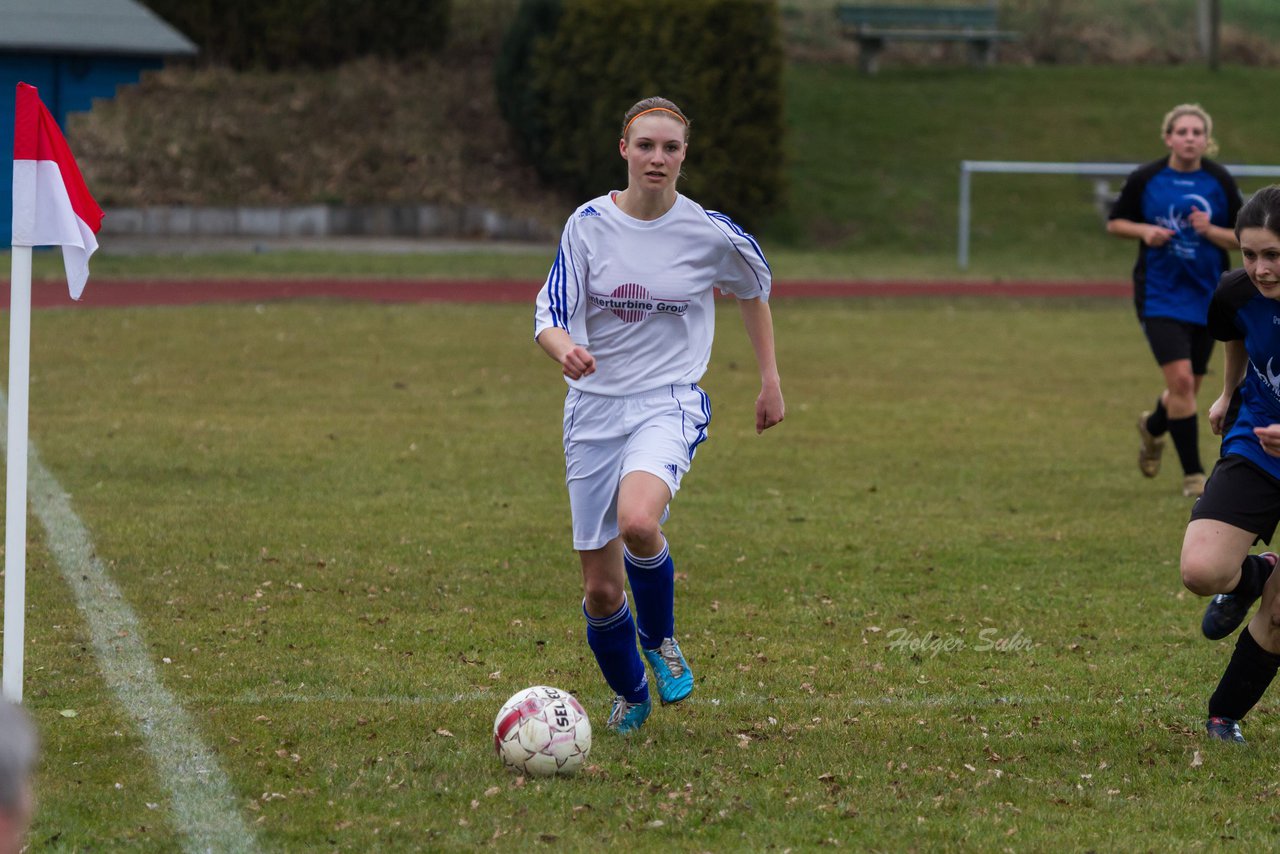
(1241, 494)
(1172, 340)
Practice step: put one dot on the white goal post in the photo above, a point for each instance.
(1023, 167)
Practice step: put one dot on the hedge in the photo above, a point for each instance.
(570, 69)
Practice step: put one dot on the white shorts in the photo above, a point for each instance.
(607, 438)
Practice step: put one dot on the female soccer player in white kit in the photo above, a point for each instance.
(627, 311)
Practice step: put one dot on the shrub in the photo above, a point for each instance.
(522, 104)
(573, 67)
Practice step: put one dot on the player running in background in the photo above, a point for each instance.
(1241, 502)
(628, 313)
(1181, 208)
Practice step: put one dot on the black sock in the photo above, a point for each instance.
(1246, 679)
(1186, 438)
(1158, 420)
(1254, 573)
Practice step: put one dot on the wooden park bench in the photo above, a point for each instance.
(872, 26)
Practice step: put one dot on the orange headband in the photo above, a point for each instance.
(653, 110)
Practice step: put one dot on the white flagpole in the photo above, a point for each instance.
(15, 528)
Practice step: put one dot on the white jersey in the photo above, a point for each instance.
(639, 294)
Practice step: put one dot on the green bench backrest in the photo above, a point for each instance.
(951, 17)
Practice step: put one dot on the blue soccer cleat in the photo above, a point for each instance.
(1224, 729)
(670, 671)
(1227, 611)
(627, 717)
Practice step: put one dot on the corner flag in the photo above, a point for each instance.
(51, 207)
(51, 204)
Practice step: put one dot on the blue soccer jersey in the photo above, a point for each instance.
(1239, 312)
(1177, 280)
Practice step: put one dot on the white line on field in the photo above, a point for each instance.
(204, 804)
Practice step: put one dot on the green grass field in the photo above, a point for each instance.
(345, 531)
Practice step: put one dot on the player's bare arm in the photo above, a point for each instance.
(1236, 358)
(576, 362)
(1269, 438)
(1223, 238)
(758, 319)
(1152, 235)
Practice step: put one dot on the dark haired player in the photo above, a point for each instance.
(1241, 502)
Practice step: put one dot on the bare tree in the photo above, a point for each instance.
(1208, 20)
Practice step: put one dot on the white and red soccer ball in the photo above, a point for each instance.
(542, 731)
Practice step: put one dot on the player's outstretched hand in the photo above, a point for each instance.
(769, 408)
(1199, 220)
(1156, 236)
(1269, 436)
(1218, 414)
(578, 363)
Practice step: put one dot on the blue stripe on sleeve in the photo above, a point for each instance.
(716, 219)
(564, 290)
(555, 296)
(551, 289)
(743, 234)
(571, 269)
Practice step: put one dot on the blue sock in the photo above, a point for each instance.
(613, 640)
(653, 584)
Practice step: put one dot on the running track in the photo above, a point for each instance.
(116, 292)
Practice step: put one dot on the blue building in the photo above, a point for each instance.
(73, 51)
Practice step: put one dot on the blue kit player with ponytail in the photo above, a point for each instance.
(1181, 209)
(627, 312)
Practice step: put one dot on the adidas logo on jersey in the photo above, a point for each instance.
(588, 211)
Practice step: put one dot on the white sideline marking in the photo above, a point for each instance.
(204, 804)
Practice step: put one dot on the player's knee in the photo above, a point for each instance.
(603, 596)
(1202, 574)
(638, 530)
(1183, 386)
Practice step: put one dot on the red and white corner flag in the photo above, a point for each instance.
(51, 207)
(51, 204)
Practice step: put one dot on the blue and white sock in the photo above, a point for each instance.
(613, 640)
(653, 583)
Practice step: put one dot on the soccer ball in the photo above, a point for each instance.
(542, 731)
